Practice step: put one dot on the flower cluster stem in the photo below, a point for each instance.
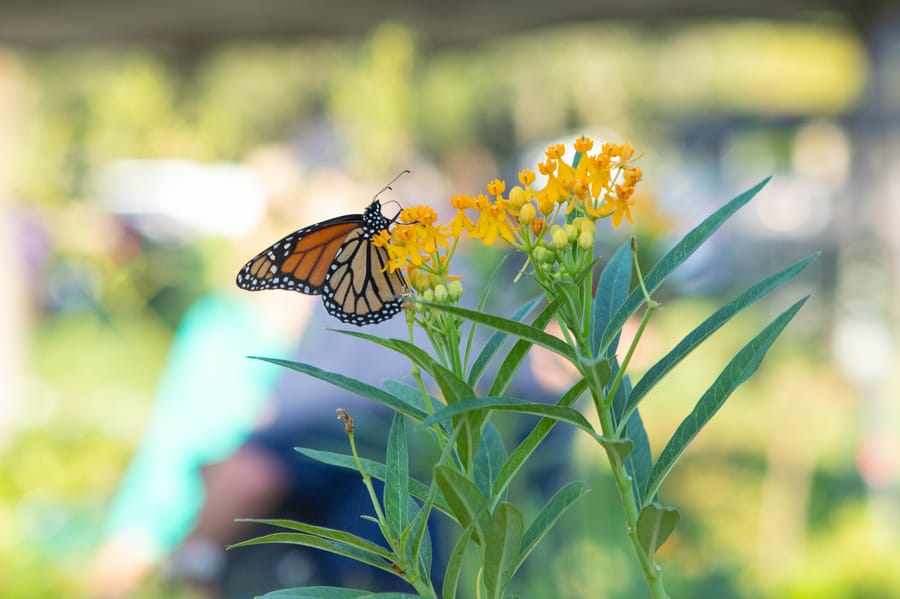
(623, 486)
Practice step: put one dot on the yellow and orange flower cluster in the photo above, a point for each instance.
(573, 196)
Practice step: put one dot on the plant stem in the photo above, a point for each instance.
(423, 587)
(623, 485)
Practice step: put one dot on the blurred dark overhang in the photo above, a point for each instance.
(48, 23)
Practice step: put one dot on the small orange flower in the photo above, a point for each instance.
(584, 144)
(492, 223)
(556, 151)
(496, 187)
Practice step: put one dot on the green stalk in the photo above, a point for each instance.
(623, 485)
(623, 480)
(624, 367)
(423, 588)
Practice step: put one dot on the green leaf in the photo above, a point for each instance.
(317, 593)
(333, 593)
(333, 534)
(464, 499)
(621, 396)
(549, 514)
(598, 371)
(655, 523)
(396, 478)
(408, 394)
(520, 348)
(350, 384)
(520, 454)
(501, 551)
(415, 353)
(487, 288)
(710, 326)
(316, 542)
(571, 293)
(741, 367)
(519, 329)
(489, 458)
(494, 344)
(374, 469)
(673, 259)
(416, 538)
(639, 463)
(454, 565)
(618, 450)
(391, 595)
(454, 388)
(612, 291)
(511, 404)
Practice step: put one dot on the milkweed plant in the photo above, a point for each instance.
(554, 227)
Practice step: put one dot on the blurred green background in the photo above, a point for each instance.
(794, 489)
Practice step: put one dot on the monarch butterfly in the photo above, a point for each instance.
(337, 260)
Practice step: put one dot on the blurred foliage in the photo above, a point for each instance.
(106, 300)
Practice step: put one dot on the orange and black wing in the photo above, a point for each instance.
(360, 289)
(302, 260)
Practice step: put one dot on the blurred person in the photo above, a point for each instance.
(199, 466)
(192, 469)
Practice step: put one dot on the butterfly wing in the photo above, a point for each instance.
(302, 260)
(359, 289)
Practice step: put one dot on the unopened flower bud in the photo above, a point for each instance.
(440, 293)
(527, 213)
(559, 238)
(585, 240)
(419, 280)
(571, 232)
(517, 197)
(454, 290)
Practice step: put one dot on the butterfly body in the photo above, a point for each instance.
(337, 260)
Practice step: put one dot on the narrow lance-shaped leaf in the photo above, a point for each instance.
(612, 291)
(511, 404)
(549, 514)
(415, 353)
(455, 564)
(674, 258)
(521, 453)
(489, 457)
(464, 499)
(316, 542)
(742, 366)
(320, 592)
(317, 592)
(501, 552)
(517, 353)
(374, 469)
(519, 329)
(333, 534)
(396, 478)
(709, 326)
(494, 344)
(416, 538)
(639, 463)
(350, 384)
(473, 326)
(408, 394)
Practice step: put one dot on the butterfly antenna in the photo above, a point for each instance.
(394, 180)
